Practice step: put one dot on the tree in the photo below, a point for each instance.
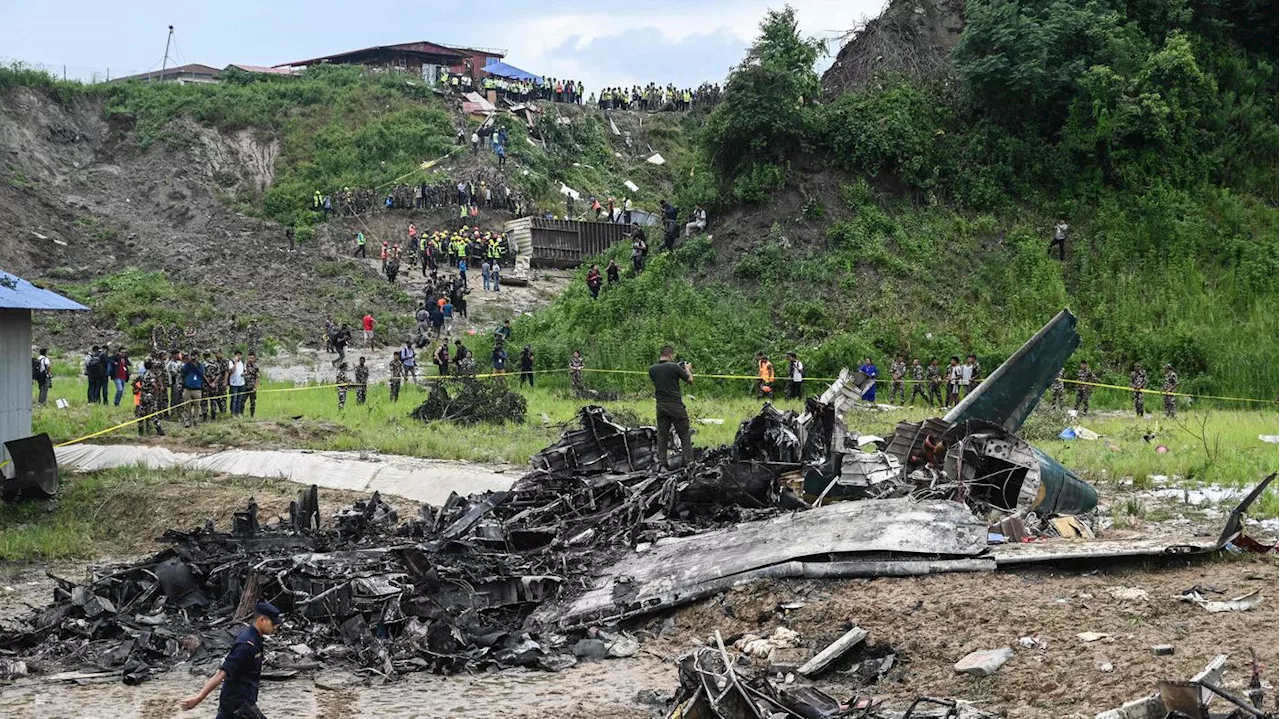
(763, 117)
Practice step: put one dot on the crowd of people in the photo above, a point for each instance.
(484, 192)
(192, 386)
(459, 249)
(197, 386)
(945, 387)
(651, 97)
(654, 98)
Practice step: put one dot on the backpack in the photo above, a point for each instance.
(97, 368)
(37, 372)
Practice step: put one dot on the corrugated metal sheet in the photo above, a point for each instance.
(15, 377)
(18, 294)
(561, 244)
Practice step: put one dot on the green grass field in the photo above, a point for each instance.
(1205, 445)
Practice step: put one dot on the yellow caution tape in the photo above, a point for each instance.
(438, 378)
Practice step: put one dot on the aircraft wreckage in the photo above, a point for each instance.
(594, 533)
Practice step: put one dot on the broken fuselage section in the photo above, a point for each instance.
(973, 454)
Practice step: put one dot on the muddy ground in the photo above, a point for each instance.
(928, 622)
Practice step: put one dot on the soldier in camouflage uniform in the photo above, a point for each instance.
(917, 381)
(173, 369)
(362, 380)
(252, 336)
(162, 379)
(224, 386)
(152, 389)
(1170, 386)
(1084, 391)
(933, 376)
(898, 371)
(251, 373)
(1138, 381)
(343, 380)
(212, 387)
(397, 372)
(1058, 391)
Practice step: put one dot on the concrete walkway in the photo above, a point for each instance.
(420, 480)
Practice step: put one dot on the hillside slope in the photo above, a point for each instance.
(166, 204)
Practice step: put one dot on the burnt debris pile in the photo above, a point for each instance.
(450, 588)
(473, 401)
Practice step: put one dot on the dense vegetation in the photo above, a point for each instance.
(1149, 126)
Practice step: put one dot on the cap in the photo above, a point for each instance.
(268, 610)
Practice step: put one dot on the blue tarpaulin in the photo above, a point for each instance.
(502, 69)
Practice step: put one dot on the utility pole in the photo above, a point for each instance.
(165, 61)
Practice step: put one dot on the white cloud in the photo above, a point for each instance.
(694, 37)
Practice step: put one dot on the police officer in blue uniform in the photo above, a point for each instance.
(241, 670)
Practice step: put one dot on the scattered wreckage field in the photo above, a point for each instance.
(929, 623)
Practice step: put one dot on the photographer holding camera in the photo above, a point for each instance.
(667, 375)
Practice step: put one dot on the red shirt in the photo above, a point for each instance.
(368, 323)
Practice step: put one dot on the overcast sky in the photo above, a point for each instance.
(682, 42)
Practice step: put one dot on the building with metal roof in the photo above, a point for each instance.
(18, 299)
(422, 58)
(192, 72)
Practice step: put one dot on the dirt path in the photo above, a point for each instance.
(487, 311)
(604, 689)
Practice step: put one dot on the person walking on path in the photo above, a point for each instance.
(594, 280)
(666, 376)
(367, 323)
(341, 339)
(397, 372)
(241, 672)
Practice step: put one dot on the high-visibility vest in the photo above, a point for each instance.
(360, 239)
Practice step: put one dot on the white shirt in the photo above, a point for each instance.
(797, 371)
(44, 364)
(237, 373)
(966, 373)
